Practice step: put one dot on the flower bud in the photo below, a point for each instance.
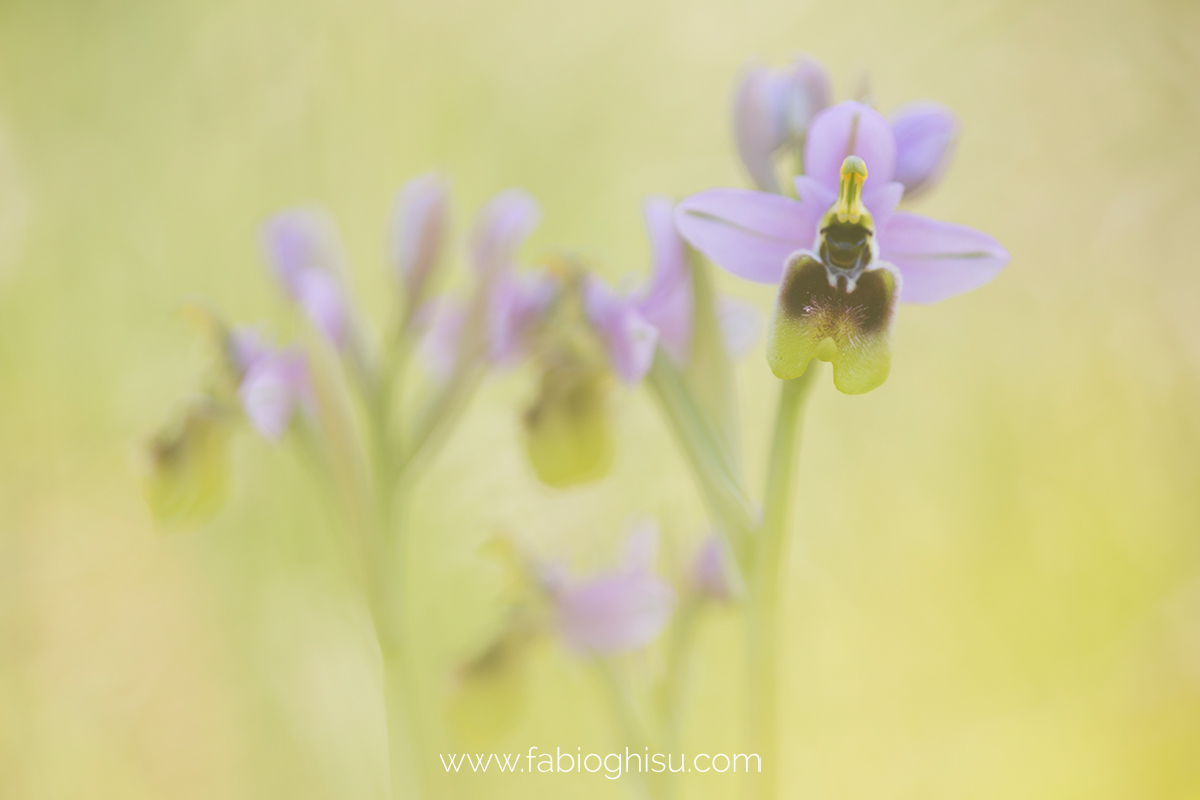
(772, 109)
(301, 246)
(925, 136)
(420, 219)
(503, 225)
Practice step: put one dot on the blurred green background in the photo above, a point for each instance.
(996, 587)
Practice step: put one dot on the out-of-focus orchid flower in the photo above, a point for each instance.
(302, 248)
(925, 133)
(710, 575)
(658, 313)
(420, 223)
(617, 611)
(772, 111)
(840, 251)
(187, 474)
(274, 383)
(515, 300)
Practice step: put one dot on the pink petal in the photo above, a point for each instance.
(615, 613)
(925, 136)
(850, 128)
(628, 337)
(667, 304)
(749, 234)
(938, 259)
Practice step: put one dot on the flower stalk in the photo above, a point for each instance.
(770, 563)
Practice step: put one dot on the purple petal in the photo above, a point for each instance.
(881, 201)
(515, 307)
(925, 136)
(850, 128)
(758, 127)
(628, 337)
(749, 234)
(615, 613)
(503, 224)
(938, 259)
(273, 387)
(667, 304)
(808, 91)
(320, 295)
(420, 218)
(298, 240)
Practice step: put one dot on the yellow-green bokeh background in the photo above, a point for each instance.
(996, 587)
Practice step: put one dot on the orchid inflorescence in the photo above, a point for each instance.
(823, 224)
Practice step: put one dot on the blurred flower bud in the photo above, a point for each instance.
(187, 471)
(568, 435)
(301, 246)
(502, 226)
(420, 220)
(616, 611)
(772, 109)
(710, 575)
(925, 136)
(628, 337)
(273, 384)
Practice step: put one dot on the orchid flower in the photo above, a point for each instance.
(302, 248)
(273, 384)
(617, 611)
(841, 253)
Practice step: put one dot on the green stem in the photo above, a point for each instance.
(708, 456)
(770, 561)
(630, 727)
